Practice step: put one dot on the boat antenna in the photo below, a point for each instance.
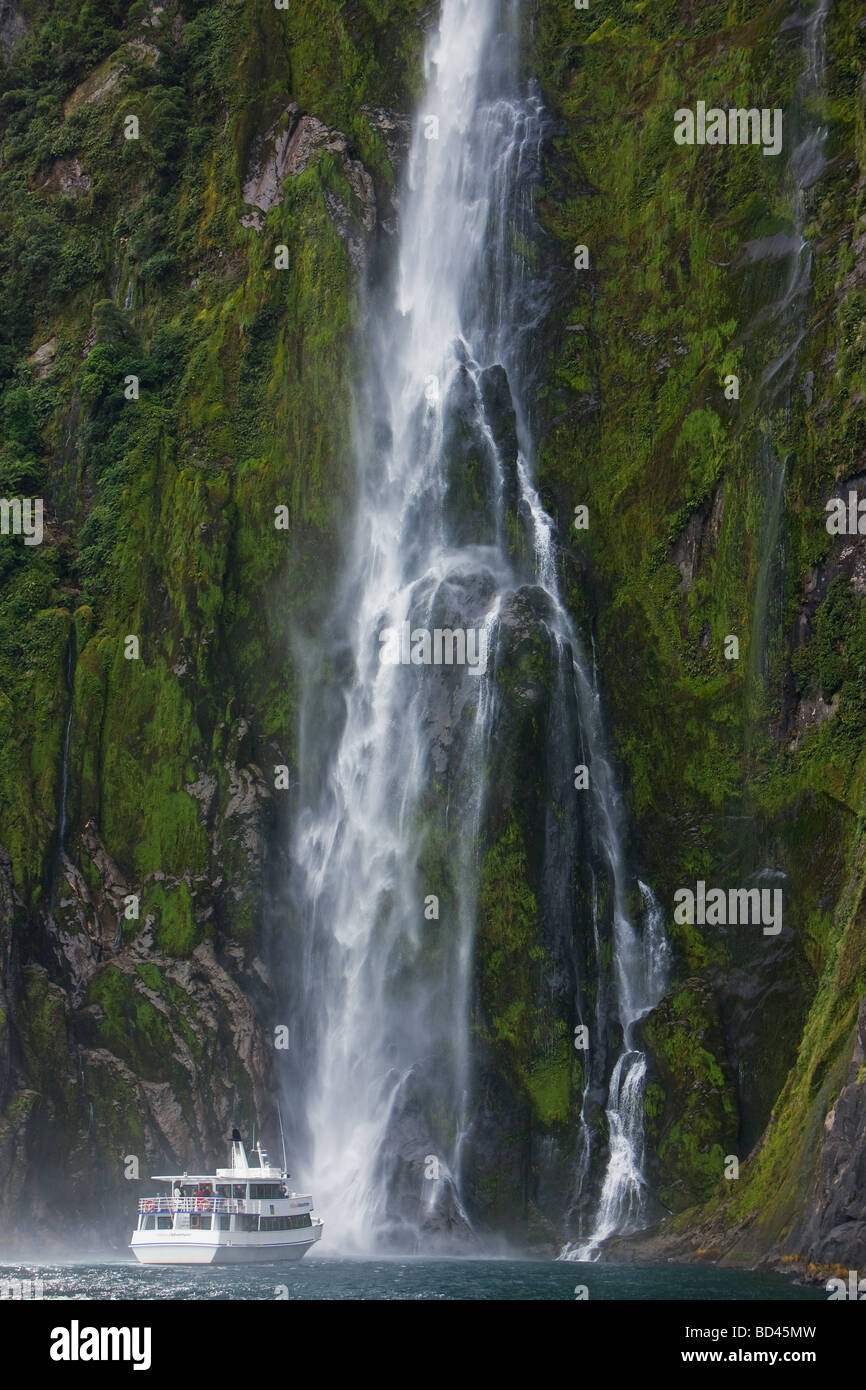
(282, 1140)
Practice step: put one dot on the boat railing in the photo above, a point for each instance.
(227, 1205)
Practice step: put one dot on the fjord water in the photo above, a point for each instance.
(335, 1280)
(394, 756)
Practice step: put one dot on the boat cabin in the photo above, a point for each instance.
(245, 1197)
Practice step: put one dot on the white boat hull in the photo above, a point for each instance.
(178, 1250)
(239, 1215)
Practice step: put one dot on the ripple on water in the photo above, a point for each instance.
(334, 1279)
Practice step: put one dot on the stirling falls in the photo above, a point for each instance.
(433, 620)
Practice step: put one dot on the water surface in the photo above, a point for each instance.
(319, 1278)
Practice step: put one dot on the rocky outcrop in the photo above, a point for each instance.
(699, 539)
(842, 569)
(42, 360)
(13, 26)
(690, 1098)
(284, 152)
(834, 1229)
(144, 1041)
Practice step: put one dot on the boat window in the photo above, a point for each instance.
(163, 1223)
(285, 1223)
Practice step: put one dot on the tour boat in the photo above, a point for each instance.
(244, 1214)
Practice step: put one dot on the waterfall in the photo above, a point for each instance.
(447, 528)
(62, 818)
(63, 793)
(642, 971)
(786, 326)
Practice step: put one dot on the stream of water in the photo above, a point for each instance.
(448, 529)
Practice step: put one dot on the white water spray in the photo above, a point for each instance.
(394, 784)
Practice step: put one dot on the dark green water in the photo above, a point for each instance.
(319, 1278)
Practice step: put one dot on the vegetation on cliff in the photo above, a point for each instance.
(165, 388)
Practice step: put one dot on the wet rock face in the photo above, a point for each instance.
(421, 1190)
(699, 539)
(395, 129)
(285, 149)
(42, 359)
(156, 1069)
(499, 412)
(472, 473)
(690, 1096)
(845, 564)
(525, 663)
(532, 954)
(13, 27)
(760, 998)
(8, 905)
(834, 1232)
(133, 1027)
(481, 447)
(66, 176)
(526, 658)
(451, 692)
(284, 152)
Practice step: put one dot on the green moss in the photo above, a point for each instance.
(522, 1026)
(43, 1027)
(509, 943)
(549, 1083)
(151, 976)
(111, 989)
(176, 930)
(690, 1109)
(774, 1183)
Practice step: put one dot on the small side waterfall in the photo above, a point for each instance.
(642, 971)
(448, 528)
(63, 793)
(786, 326)
(62, 818)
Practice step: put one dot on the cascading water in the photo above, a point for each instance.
(641, 983)
(786, 326)
(447, 528)
(642, 966)
(63, 795)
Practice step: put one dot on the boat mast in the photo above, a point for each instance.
(283, 1142)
